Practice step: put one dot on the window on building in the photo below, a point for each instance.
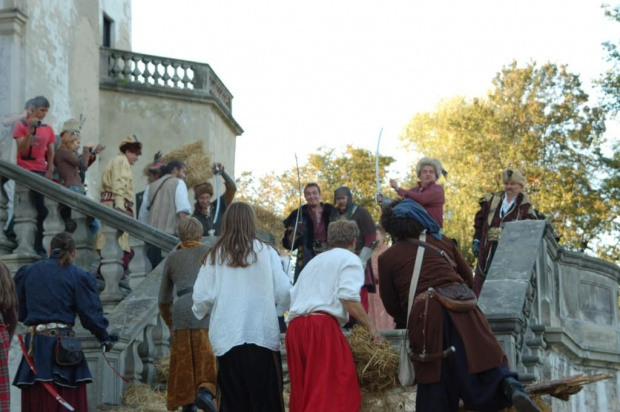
(107, 31)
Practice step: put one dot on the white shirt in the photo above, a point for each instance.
(506, 206)
(181, 202)
(242, 301)
(327, 278)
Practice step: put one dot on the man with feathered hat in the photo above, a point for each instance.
(117, 186)
(495, 210)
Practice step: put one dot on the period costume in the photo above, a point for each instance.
(8, 323)
(163, 200)
(476, 372)
(50, 296)
(494, 212)
(376, 310)
(192, 362)
(320, 363)
(431, 198)
(211, 223)
(243, 328)
(313, 239)
(117, 192)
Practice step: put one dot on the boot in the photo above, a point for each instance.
(515, 392)
(204, 400)
(189, 408)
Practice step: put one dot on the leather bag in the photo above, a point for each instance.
(69, 351)
(457, 298)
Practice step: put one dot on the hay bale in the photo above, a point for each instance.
(269, 222)
(197, 161)
(139, 397)
(376, 364)
(163, 368)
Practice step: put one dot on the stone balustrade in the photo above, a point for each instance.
(125, 67)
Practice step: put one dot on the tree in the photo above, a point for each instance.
(536, 119)
(355, 168)
(610, 80)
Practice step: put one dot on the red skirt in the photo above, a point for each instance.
(36, 398)
(320, 366)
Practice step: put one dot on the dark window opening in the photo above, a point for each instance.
(107, 31)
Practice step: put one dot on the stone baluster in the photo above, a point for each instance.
(53, 223)
(6, 246)
(25, 221)
(87, 258)
(139, 266)
(147, 352)
(111, 267)
(161, 338)
(133, 362)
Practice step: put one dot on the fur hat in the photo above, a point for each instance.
(131, 143)
(71, 125)
(430, 161)
(203, 188)
(513, 175)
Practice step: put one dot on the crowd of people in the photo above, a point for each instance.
(222, 303)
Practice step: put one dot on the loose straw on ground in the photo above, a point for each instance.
(376, 364)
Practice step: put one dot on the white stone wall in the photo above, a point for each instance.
(120, 13)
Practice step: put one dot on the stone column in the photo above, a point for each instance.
(25, 221)
(87, 258)
(111, 268)
(6, 246)
(53, 223)
(139, 266)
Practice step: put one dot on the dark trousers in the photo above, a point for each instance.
(480, 392)
(39, 204)
(249, 379)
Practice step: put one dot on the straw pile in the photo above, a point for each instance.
(198, 162)
(269, 222)
(139, 397)
(377, 365)
(163, 368)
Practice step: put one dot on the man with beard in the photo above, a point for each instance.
(495, 210)
(311, 234)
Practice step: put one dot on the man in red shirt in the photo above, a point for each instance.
(35, 152)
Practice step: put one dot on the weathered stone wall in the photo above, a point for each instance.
(555, 312)
(162, 122)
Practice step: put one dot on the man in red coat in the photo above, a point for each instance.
(496, 209)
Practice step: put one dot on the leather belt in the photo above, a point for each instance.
(185, 291)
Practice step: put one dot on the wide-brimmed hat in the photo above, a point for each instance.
(131, 143)
(203, 188)
(72, 126)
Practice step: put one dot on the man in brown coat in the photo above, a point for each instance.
(477, 371)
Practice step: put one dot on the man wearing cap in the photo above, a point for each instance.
(495, 210)
(205, 210)
(117, 187)
(35, 152)
(346, 209)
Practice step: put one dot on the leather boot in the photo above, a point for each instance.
(189, 408)
(204, 400)
(515, 392)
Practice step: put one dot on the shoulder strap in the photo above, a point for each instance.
(434, 249)
(415, 277)
(157, 191)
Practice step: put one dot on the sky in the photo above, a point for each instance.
(316, 74)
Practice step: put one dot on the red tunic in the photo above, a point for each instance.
(431, 198)
(395, 272)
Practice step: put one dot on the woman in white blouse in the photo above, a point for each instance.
(239, 285)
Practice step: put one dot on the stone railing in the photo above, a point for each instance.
(17, 253)
(555, 312)
(120, 66)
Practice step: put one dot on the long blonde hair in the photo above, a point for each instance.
(236, 244)
(8, 298)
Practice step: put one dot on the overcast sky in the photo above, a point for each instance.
(331, 73)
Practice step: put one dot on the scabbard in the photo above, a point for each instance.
(431, 357)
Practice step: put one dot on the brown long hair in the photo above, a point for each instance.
(236, 244)
(8, 298)
(64, 244)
